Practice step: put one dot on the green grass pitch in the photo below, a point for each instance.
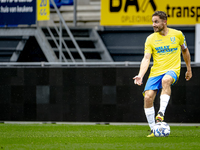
(94, 137)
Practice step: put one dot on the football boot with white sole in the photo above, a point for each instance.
(160, 117)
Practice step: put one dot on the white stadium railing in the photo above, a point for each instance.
(59, 64)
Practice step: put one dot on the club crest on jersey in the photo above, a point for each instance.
(173, 40)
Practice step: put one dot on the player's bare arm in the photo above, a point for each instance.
(143, 69)
(186, 57)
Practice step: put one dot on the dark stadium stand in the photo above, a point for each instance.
(11, 47)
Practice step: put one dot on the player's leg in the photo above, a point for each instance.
(151, 89)
(166, 84)
(167, 81)
(149, 109)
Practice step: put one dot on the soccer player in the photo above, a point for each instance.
(165, 46)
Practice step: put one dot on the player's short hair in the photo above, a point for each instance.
(161, 14)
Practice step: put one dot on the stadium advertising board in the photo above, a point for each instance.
(15, 12)
(43, 11)
(139, 12)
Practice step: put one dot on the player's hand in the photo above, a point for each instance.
(188, 75)
(138, 80)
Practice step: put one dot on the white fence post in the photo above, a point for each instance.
(197, 44)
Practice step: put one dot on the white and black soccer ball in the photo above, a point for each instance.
(161, 129)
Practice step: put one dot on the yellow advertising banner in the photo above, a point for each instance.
(43, 10)
(139, 12)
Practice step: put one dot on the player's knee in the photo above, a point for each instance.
(148, 99)
(166, 81)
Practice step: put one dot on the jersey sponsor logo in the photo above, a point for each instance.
(165, 50)
(158, 40)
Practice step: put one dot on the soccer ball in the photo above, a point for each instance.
(161, 129)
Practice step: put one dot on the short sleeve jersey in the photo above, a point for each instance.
(166, 51)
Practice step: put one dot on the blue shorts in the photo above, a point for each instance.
(155, 83)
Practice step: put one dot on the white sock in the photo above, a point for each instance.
(150, 115)
(164, 99)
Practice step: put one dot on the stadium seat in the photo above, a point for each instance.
(59, 3)
(67, 2)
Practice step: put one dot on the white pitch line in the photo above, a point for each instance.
(94, 123)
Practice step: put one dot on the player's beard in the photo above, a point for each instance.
(158, 29)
